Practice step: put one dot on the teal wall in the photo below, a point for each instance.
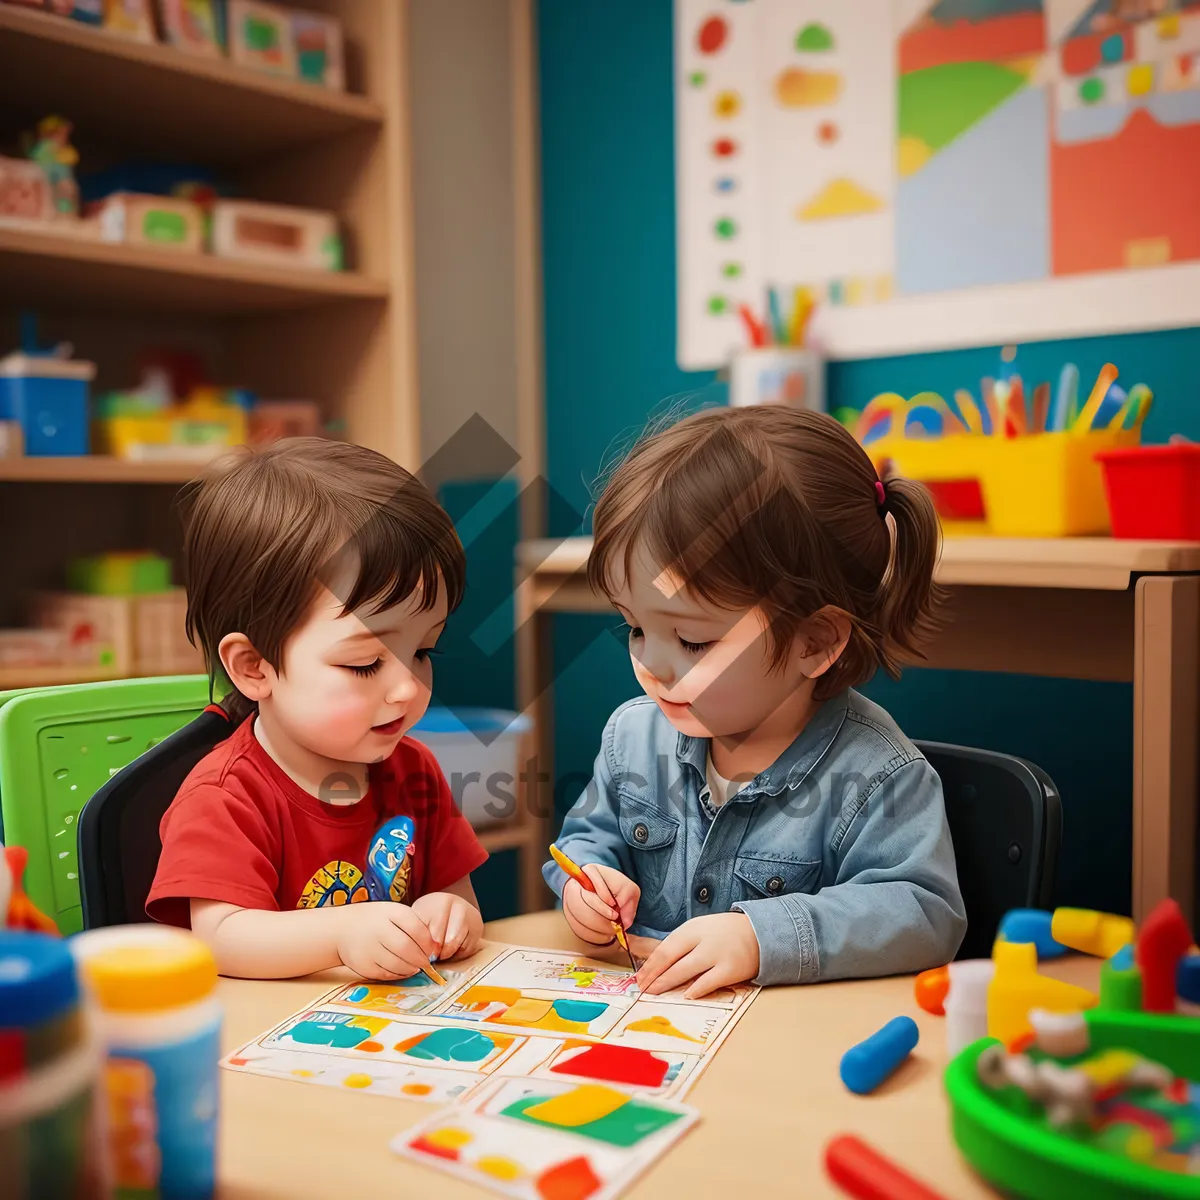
(609, 248)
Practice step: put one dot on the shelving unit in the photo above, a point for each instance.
(345, 339)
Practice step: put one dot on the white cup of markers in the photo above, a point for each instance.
(777, 367)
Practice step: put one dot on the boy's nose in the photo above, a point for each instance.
(658, 665)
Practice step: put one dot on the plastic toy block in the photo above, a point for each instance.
(1017, 988)
(1090, 932)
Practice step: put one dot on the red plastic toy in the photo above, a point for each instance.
(861, 1171)
(1163, 940)
(1154, 491)
(22, 912)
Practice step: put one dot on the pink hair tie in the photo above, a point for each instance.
(880, 493)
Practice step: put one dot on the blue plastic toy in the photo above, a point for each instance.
(865, 1066)
(1031, 925)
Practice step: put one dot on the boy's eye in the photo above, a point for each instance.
(694, 647)
(366, 669)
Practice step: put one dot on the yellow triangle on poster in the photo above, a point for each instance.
(840, 198)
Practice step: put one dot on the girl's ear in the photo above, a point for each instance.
(821, 640)
(247, 670)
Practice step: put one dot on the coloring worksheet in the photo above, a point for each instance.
(532, 1139)
(508, 1012)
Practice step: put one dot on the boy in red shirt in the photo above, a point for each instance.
(319, 577)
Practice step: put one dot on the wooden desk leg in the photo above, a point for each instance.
(1166, 728)
(535, 683)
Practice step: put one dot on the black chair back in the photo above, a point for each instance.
(118, 827)
(1006, 822)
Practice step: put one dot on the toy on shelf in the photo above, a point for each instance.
(130, 18)
(119, 573)
(275, 233)
(24, 192)
(319, 55)
(193, 26)
(1095, 1103)
(260, 36)
(272, 420)
(160, 221)
(57, 159)
(90, 12)
(1009, 464)
(48, 398)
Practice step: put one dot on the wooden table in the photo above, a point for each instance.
(1075, 608)
(770, 1100)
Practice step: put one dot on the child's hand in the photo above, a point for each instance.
(383, 940)
(714, 951)
(591, 914)
(455, 926)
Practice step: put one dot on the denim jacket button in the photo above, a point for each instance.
(774, 885)
(702, 893)
(640, 833)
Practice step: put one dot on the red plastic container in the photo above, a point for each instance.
(1154, 491)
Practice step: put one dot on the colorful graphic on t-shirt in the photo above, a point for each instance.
(389, 861)
(337, 883)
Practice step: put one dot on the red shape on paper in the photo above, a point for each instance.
(724, 147)
(427, 1147)
(616, 1064)
(573, 1179)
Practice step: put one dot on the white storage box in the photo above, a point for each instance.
(478, 750)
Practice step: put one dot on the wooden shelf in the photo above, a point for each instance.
(94, 468)
(61, 270)
(12, 678)
(210, 110)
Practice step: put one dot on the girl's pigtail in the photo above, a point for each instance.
(909, 599)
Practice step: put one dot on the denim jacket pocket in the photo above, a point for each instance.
(650, 837)
(765, 878)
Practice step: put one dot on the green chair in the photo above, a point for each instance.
(58, 746)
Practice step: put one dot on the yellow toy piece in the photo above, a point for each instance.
(1017, 988)
(1090, 932)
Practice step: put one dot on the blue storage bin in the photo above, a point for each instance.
(48, 398)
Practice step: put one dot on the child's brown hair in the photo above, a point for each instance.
(265, 527)
(782, 508)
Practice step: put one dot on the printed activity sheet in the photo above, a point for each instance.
(509, 1012)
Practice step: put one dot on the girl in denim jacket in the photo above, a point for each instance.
(752, 817)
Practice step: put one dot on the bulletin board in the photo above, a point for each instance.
(949, 172)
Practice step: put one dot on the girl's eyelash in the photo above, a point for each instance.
(426, 653)
(694, 647)
(367, 669)
(634, 631)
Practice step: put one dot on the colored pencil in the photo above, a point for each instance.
(1105, 380)
(577, 874)
(754, 329)
(1041, 408)
(777, 328)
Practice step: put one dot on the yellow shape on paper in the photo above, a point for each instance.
(579, 1106)
(449, 1138)
(855, 291)
(303, 1073)
(489, 995)
(357, 1081)
(840, 198)
(912, 154)
(661, 1025)
(526, 1011)
(1168, 26)
(499, 1168)
(797, 88)
(1141, 80)
(883, 287)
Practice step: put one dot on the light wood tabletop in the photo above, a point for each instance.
(769, 1102)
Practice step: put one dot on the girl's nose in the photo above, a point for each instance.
(402, 687)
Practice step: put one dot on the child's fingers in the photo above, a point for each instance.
(674, 947)
(712, 979)
(409, 930)
(684, 971)
(439, 922)
(390, 966)
(596, 874)
(598, 906)
(456, 934)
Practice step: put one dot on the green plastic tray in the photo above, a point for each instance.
(58, 746)
(1022, 1157)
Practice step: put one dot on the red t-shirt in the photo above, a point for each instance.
(240, 830)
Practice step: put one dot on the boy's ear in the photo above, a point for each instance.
(821, 640)
(247, 670)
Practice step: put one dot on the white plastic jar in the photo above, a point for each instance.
(154, 993)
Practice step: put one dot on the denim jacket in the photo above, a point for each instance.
(839, 852)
